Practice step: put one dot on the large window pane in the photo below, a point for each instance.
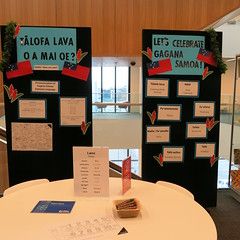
(96, 87)
(122, 87)
(108, 87)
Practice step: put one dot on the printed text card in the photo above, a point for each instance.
(158, 134)
(91, 171)
(171, 112)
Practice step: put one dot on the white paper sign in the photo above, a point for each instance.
(32, 108)
(173, 154)
(45, 86)
(204, 109)
(169, 112)
(158, 134)
(196, 130)
(204, 150)
(91, 171)
(188, 88)
(72, 111)
(157, 88)
(31, 136)
(94, 228)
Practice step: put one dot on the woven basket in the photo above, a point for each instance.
(236, 156)
(235, 175)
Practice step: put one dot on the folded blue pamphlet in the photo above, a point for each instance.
(53, 207)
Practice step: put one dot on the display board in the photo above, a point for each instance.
(48, 100)
(181, 110)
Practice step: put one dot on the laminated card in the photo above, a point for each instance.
(91, 171)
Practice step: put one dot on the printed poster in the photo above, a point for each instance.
(32, 108)
(72, 111)
(32, 136)
(47, 48)
(158, 134)
(157, 88)
(182, 50)
(91, 171)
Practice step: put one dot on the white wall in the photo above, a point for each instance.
(136, 88)
(231, 39)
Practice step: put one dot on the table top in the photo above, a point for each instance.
(165, 213)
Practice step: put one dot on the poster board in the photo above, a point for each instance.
(181, 99)
(48, 101)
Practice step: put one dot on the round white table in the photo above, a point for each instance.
(165, 213)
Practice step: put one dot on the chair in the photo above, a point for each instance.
(24, 185)
(176, 188)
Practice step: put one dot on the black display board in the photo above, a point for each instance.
(41, 146)
(181, 110)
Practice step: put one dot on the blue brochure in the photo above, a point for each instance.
(53, 207)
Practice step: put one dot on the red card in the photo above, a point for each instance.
(126, 174)
(160, 66)
(19, 69)
(207, 57)
(75, 71)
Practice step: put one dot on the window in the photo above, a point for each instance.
(110, 85)
(117, 155)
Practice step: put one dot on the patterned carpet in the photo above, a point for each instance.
(226, 216)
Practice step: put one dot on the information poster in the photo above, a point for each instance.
(91, 171)
(188, 88)
(169, 112)
(47, 48)
(32, 108)
(32, 136)
(204, 150)
(196, 130)
(204, 109)
(47, 99)
(182, 50)
(173, 154)
(181, 85)
(157, 88)
(72, 111)
(45, 86)
(158, 134)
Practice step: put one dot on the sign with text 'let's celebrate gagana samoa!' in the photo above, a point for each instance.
(182, 50)
(47, 48)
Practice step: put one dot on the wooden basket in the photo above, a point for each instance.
(127, 213)
(235, 175)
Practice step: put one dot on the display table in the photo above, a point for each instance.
(165, 214)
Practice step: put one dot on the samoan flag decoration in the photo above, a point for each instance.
(75, 71)
(207, 57)
(19, 69)
(160, 66)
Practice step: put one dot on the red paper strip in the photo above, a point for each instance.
(75, 71)
(207, 57)
(160, 66)
(19, 69)
(126, 174)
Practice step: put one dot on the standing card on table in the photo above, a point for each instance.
(53, 207)
(126, 174)
(91, 171)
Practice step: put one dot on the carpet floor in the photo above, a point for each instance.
(226, 216)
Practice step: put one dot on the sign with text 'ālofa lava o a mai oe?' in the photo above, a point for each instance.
(47, 48)
(182, 50)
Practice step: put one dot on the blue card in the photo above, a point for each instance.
(53, 207)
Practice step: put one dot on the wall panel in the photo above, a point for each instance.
(74, 13)
(103, 28)
(28, 12)
(117, 24)
(127, 34)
